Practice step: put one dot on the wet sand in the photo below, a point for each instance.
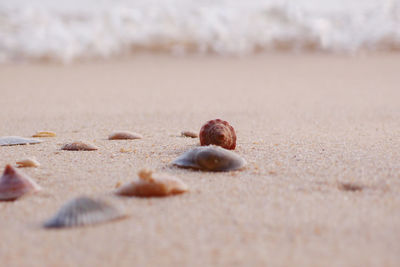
(305, 123)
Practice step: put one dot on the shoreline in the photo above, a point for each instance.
(160, 54)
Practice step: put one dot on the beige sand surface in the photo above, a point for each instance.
(305, 123)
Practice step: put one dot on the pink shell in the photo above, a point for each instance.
(218, 132)
(14, 184)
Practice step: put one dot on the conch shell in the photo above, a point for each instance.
(218, 132)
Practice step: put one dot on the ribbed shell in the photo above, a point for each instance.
(83, 211)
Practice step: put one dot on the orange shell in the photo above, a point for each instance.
(218, 132)
(153, 185)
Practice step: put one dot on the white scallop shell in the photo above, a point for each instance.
(17, 140)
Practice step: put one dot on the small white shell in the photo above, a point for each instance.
(83, 211)
(28, 163)
(152, 184)
(124, 135)
(210, 158)
(17, 140)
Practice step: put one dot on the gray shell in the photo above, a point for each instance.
(83, 211)
(210, 158)
(17, 140)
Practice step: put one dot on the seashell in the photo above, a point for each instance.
(218, 132)
(79, 146)
(125, 150)
(83, 211)
(152, 184)
(210, 158)
(350, 186)
(124, 136)
(17, 140)
(28, 163)
(44, 134)
(189, 134)
(14, 184)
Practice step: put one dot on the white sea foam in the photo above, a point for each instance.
(68, 30)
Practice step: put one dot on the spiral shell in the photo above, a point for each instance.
(210, 158)
(15, 184)
(218, 132)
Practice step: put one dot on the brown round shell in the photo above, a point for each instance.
(218, 132)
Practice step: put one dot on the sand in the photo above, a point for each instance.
(305, 123)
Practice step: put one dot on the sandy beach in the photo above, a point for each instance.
(306, 124)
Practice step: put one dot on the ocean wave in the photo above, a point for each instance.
(221, 27)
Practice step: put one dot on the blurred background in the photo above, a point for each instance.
(84, 29)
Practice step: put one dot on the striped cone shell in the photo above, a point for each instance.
(15, 184)
(218, 132)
